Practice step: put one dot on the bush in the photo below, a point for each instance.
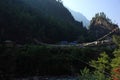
(87, 75)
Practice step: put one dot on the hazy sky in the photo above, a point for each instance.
(90, 7)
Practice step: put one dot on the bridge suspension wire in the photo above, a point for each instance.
(108, 34)
(91, 59)
(108, 74)
(77, 45)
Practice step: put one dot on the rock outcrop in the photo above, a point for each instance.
(101, 25)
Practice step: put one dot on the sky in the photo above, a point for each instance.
(90, 7)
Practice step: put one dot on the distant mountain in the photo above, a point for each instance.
(80, 17)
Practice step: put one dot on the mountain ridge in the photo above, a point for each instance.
(80, 17)
(23, 20)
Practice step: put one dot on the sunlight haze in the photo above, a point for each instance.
(90, 7)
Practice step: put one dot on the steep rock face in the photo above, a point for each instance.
(101, 25)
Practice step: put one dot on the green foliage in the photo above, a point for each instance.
(116, 40)
(116, 60)
(106, 67)
(29, 60)
(87, 75)
(115, 64)
(102, 63)
(102, 66)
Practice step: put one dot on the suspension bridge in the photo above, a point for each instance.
(94, 43)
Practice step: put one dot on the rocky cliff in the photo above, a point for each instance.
(101, 25)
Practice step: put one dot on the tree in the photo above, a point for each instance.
(87, 75)
(115, 64)
(103, 15)
(102, 64)
(97, 15)
(116, 40)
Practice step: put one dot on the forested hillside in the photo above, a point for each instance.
(48, 21)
